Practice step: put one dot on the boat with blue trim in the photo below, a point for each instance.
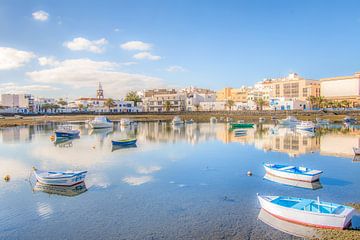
(60, 178)
(124, 142)
(101, 122)
(66, 132)
(308, 212)
(292, 172)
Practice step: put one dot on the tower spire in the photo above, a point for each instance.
(100, 92)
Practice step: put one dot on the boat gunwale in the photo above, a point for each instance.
(307, 174)
(42, 177)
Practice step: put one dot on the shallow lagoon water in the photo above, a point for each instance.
(185, 182)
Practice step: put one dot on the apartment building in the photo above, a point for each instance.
(164, 100)
(234, 94)
(342, 88)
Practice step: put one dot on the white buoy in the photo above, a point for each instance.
(249, 173)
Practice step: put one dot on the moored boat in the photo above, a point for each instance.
(306, 126)
(308, 212)
(190, 121)
(177, 121)
(213, 120)
(261, 119)
(60, 178)
(349, 119)
(356, 150)
(292, 172)
(241, 125)
(101, 122)
(290, 120)
(124, 142)
(66, 132)
(125, 122)
(322, 121)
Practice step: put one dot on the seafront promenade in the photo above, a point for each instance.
(199, 116)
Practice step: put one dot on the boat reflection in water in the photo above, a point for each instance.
(288, 227)
(64, 142)
(69, 191)
(118, 147)
(301, 184)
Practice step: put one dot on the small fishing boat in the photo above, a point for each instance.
(190, 121)
(261, 119)
(177, 121)
(356, 150)
(292, 172)
(322, 121)
(308, 212)
(2, 117)
(67, 178)
(124, 142)
(294, 183)
(306, 126)
(349, 120)
(68, 191)
(100, 122)
(66, 132)
(241, 125)
(18, 117)
(290, 120)
(213, 120)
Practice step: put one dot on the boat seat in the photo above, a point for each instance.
(286, 168)
(302, 204)
(314, 172)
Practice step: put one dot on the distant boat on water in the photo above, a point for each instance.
(213, 120)
(177, 121)
(241, 125)
(294, 183)
(306, 126)
(292, 172)
(124, 142)
(322, 121)
(290, 120)
(190, 121)
(66, 178)
(308, 212)
(66, 132)
(125, 122)
(100, 122)
(350, 120)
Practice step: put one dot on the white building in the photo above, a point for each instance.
(287, 104)
(163, 100)
(99, 105)
(21, 103)
(193, 100)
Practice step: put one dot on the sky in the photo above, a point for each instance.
(65, 48)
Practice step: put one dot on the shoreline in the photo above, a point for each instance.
(250, 116)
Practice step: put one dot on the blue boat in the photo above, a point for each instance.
(124, 142)
(67, 132)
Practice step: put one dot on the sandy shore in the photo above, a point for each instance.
(251, 116)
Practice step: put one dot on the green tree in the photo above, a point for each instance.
(229, 104)
(260, 103)
(62, 102)
(133, 96)
(321, 102)
(81, 107)
(197, 106)
(167, 105)
(312, 101)
(109, 103)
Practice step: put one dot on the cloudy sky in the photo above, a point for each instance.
(64, 48)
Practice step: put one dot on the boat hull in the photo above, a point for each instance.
(292, 176)
(99, 125)
(65, 181)
(241, 125)
(62, 134)
(122, 143)
(312, 219)
(356, 151)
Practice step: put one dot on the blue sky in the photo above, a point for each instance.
(63, 48)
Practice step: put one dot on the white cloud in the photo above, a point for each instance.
(148, 170)
(11, 58)
(136, 45)
(176, 69)
(80, 73)
(136, 181)
(146, 55)
(129, 63)
(48, 61)
(116, 30)
(15, 88)
(40, 15)
(83, 44)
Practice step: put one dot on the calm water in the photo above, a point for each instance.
(178, 183)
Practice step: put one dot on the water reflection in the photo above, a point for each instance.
(69, 191)
(119, 147)
(301, 184)
(288, 227)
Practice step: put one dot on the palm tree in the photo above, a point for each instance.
(109, 103)
(260, 103)
(62, 102)
(167, 105)
(132, 96)
(81, 107)
(312, 101)
(229, 104)
(321, 101)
